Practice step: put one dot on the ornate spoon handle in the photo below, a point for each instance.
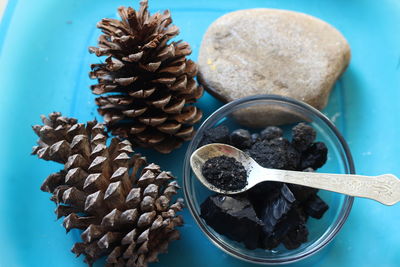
(383, 188)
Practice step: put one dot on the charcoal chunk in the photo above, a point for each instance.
(315, 207)
(271, 132)
(315, 156)
(241, 138)
(270, 155)
(290, 221)
(303, 136)
(293, 218)
(219, 134)
(277, 153)
(269, 242)
(233, 217)
(276, 210)
(279, 143)
(263, 193)
(293, 158)
(287, 194)
(302, 193)
(255, 137)
(295, 237)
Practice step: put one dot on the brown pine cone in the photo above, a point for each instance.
(128, 217)
(150, 80)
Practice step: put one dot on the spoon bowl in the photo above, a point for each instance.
(204, 153)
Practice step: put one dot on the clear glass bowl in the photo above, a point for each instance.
(322, 231)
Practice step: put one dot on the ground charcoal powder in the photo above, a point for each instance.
(225, 173)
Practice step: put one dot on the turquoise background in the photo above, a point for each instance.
(43, 68)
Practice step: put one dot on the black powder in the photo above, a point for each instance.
(225, 173)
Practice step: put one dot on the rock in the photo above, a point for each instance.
(269, 51)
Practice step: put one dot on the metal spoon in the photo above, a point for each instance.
(383, 188)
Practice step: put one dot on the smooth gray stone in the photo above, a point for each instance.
(270, 51)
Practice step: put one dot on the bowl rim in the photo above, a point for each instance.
(347, 204)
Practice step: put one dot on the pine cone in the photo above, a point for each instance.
(131, 219)
(150, 80)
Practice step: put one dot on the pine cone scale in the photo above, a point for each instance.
(144, 93)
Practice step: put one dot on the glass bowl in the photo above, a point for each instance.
(322, 231)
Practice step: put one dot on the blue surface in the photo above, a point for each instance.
(43, 67)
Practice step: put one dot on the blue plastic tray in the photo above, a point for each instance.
(43, 68)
